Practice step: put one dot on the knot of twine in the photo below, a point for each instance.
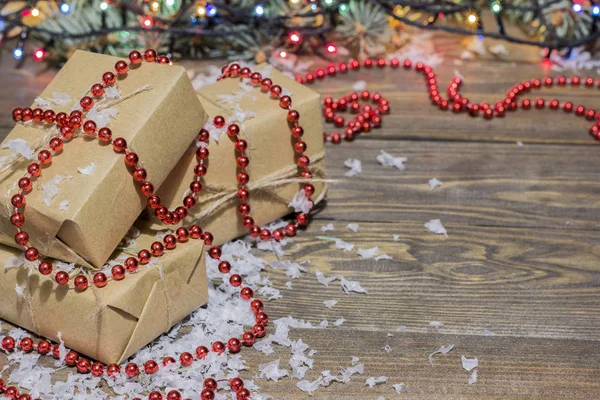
(223, 194)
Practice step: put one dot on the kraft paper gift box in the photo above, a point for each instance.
(108, 324)
(263, 124)
(153, 107)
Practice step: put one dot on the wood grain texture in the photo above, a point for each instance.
(522, 257)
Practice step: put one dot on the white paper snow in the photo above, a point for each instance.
(434, 182)
(354, 165)
(435, 226)
(87, 170)
(387, 160)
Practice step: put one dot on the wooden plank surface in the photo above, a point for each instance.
(522, 257)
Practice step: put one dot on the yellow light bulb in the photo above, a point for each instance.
(295, 1)
(399, 11)
(472, 18)
(35, 12)
(154, 6)
(201, 10)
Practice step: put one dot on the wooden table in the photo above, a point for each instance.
(522, 257)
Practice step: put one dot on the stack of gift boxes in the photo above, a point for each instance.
(85, 213)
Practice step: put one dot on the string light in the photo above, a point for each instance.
(328, 3)
(211, 10)
(39, 54)
(18, 53)
(472, 18)
(147, 22)
(259, 10)
(155, 6)
(596, 10)
(201, 11)
(295, 1)
(65, 8)
(313, 6)
(577, 8)
(170, 3)
(294, 38)
(496, 7)
(103, 6)
(283, 54)
(35, 12)
(344, 7)
(331, 48)
(399, 11)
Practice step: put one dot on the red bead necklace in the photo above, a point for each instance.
(367, 117)
(68, 125)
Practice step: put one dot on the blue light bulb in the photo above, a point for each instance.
(65, 8)
(596, 10)
(211, 10)
(18, 53)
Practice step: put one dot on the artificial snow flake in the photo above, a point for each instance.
(339, 322)
(50, 189)
(20, 290)
(19, 147)
(87, 170)
(269, 292)
(300, 202)
(111, 93)
(441, 350)
(271, 370)
(434, 182)
(64, 205)
(328, 227)
(387, 160)
(387, 348)
(15, 262)
(469, 363)
(60, 98)
(342, 245)
(473, 377)
(398, 387)
(352, 227)
(436, 324)
(396, 238)
(401, 329)
(488, 333)
(359, 86)
(476, 46)
(351, 286)
(354, 165)
(372, 381)
(330, 303)
(498, 49)
(102, 117)
(323, 280)
(288, 284)
(520, 144)
(373, 252)
(435, 226)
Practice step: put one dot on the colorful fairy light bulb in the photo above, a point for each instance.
(201, 11)
(103, 6)
(35, 12)
(39, 54)
(294, 37)
(496, 7)
(472, 18)
(155, 6)
(331, 48)
(65, 8)
(259, 10)
(18, 53)
(147, 22)
(344, 7)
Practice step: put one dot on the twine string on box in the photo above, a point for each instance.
(223, 194)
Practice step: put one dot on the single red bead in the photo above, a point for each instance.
(150, 367)
(147, 189)
(25, 184)
(275, 90)
(186, 359)
(113, 369)
(8, 343)
(568, 106)
(234, 345)
(43, 347)
(243, 162)
(285, 101)
(207, 394)
(174, 395)
(244, 209)
(255, 78)
(75, 122)
(109, 78)
(18, 200)
(195, 232)
(37, 115)
(49, 116)
(259, 330)
(131, 263)
(17, 114)
(200, 170)
(248, 338)
(218, 347)
(135, 57)
(118, 272)
(71, 358)
(100, 279)
(150, 55)
(219, 121)
(243, 178)
(89, 127)
(235, 280)
(246, 293)
(144, 256)
(580, 110)
(201, 351)
(80, 282)
(254, 231)
(170, 241)
(293, 116)
(97, 90)
(297, 132)
(243, 394)
(290, 230)
(208, 238)
(167, 361)
(25, 396)
(45, 157)
(214, 252)
(45, 268)
(97, 369)
(56, 144)
(131, 159)
(236, 384)
(26, 344)
(104, 134)
(66, 132)
(302, 219)
(196, 186)
(261, 318)
(32, 254)
(303, 161)
(62, 278)
(140, 174)
(11, 393)
(256, 305)
(83, 366)
(119, 145)
(121, 67)
(590, 115)
(86, 102)
(202, 153)
(132, 369)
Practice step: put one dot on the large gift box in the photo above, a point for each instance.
(273, 172)
(86, 200)
(111, 323)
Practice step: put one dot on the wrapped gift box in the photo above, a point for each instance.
(86, 200)
(263, 124)
(111, 323)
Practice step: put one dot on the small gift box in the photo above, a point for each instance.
(86, 199)
(274, 175)
(109, 323)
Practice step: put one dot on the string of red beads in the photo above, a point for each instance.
(366, 120)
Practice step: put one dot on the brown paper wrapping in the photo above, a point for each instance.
(111, 323)
(158, 123)
(270, 149)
